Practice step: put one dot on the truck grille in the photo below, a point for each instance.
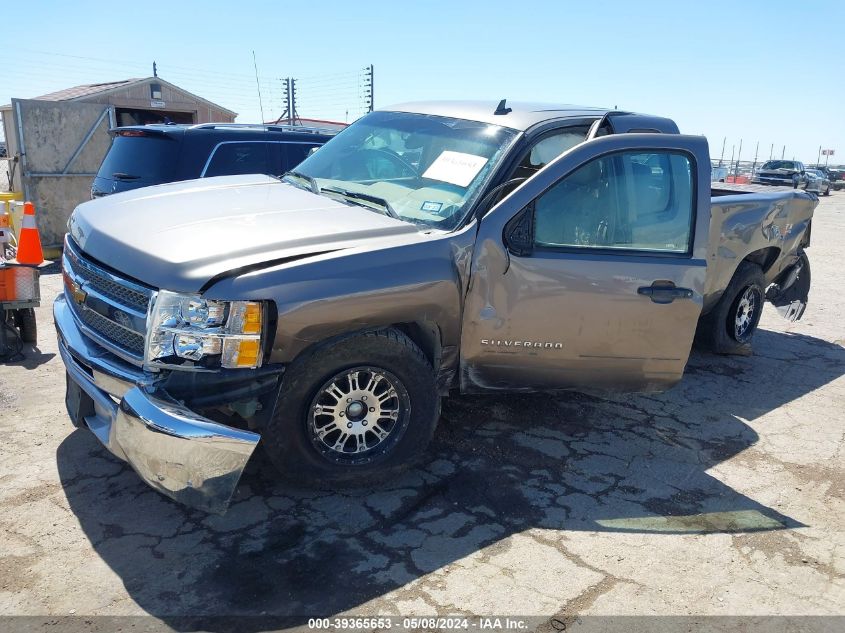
(129, 341)
(111, 309)
(121, 293)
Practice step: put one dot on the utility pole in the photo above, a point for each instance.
(293, 113)
(783, 153)
(730, 164)
(722, 155)
(771, 151)
(754, 164)
(819, 157)
(155, 74)
(369, 87)
(286, 100)
(736, 169)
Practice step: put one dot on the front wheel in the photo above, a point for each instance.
(354, 411)
(827, 191)
(729, 327)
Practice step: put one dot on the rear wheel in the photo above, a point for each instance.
(729, 327)
(746, 313)
(355, 411)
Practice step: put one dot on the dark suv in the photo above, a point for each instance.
(144, 155)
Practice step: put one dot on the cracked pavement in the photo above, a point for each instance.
(724, 496)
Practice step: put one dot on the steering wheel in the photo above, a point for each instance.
(395, 158)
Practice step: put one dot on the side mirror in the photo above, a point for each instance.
(519, 232)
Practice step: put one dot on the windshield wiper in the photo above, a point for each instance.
(312, 183)
(123, 176)
(366, 197)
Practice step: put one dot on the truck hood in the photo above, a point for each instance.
(180, 236)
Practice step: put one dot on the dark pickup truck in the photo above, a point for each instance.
(427, 248)
(783, 173)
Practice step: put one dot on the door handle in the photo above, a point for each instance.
(664, 292)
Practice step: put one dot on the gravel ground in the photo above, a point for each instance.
(725, 496)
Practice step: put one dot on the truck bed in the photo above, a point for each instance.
(763, 223)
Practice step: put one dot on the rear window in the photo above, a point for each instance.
(147, 158)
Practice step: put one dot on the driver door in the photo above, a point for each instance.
(591, 273)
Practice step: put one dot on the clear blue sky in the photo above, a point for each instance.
(772, 72)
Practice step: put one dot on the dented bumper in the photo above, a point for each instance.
(183, 455)
(791, 294)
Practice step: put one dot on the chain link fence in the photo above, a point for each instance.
(6, 166)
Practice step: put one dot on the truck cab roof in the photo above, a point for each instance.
(522, 116)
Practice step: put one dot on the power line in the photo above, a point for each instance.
(326, 95)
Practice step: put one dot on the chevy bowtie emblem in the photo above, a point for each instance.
(75, 291)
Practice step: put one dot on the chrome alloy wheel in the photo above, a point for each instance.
(746, 310)
(358, 414)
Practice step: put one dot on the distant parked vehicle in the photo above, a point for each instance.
(824, 169)
(836, 175)
(818, 182)
(785, 173)
(144, 155)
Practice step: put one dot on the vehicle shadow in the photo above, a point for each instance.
(499, 465)
(33, 357)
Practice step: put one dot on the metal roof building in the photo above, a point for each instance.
(146, 100)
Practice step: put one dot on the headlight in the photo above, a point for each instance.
(188, 330)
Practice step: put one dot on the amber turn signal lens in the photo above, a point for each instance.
(252, 318)
(241, 352)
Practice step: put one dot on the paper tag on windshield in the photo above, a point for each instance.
(455, 168)
(434, 207)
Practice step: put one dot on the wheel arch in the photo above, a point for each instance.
(765, 258)
(427, 336)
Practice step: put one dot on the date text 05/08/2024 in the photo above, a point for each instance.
(416, 623)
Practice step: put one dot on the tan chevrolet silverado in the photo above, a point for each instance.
(428, 248)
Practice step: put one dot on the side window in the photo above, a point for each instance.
(295, 153)
(239, 158)
(638, 201)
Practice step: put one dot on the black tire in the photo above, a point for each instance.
(25, 321)
(827, 192)
(729, 327)
(292, 441)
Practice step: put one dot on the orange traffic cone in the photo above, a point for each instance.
(29, 242)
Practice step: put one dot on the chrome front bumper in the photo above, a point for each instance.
(183, 455)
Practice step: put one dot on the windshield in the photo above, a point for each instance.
(421, 168)
(779, 164)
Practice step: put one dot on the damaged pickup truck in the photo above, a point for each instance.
(427, 248)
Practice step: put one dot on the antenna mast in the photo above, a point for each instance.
(258, 85)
